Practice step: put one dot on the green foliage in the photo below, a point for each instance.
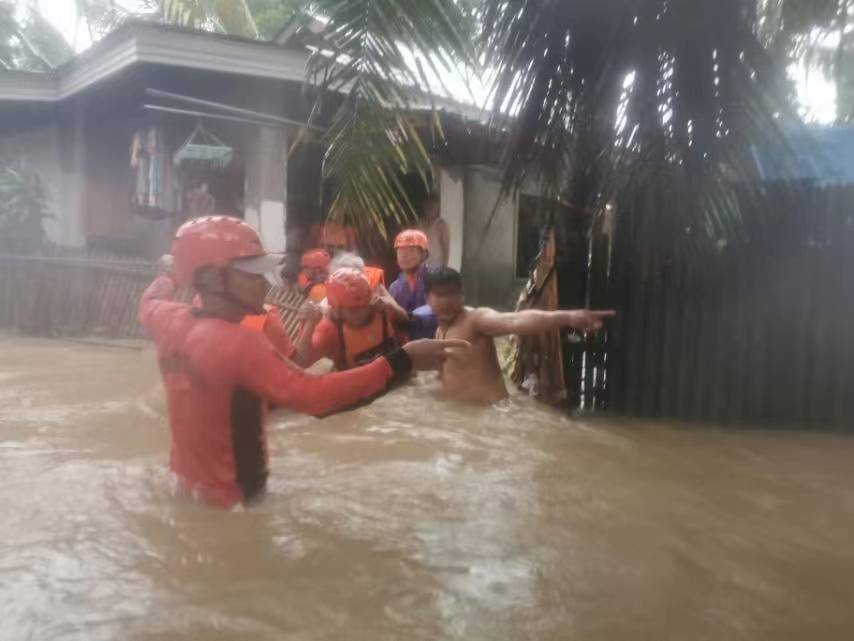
(29, 43)
(23, 209)
(818, 33)
(371, 140)
(228, 16)
(272, 15)
(103, 16)
(652, 104)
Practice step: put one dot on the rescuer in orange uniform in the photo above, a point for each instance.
(220, 377)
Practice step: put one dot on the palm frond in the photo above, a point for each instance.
(648, 103)
(371, 142)
(104, 16)
(23, 208)
(30, 43)
(229, 16)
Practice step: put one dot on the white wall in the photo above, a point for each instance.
(452, 199)
(266, 169)
(489, 255)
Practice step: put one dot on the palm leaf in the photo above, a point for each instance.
(371, 142)
(652, 104)
(229, 16)
(31, 44)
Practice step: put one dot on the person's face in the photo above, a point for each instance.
(249, 289)
(316, 274)
(356, 316)
(236, 288)
(446, 301)
(409, 258)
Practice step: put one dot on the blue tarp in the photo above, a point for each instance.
(822, 154)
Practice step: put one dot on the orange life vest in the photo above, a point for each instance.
(270, 324)
(316, 291)
(360, 345)
(376, 276)
(255, 322)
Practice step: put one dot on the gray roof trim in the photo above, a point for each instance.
(156, 45)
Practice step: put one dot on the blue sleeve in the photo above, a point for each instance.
(395, 290)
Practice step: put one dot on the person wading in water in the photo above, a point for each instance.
(220, 377)
(476, 375)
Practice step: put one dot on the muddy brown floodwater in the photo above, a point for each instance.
(411, 519)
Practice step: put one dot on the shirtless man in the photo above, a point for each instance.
(476, 376)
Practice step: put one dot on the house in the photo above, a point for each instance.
(156, 123)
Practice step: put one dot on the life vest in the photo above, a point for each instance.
(376, 276)
(360, 345)
(316, 292)
(255, 322)
(270, 324)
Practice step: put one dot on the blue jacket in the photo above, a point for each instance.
(405, 297)
(423, 324)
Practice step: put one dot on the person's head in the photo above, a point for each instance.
(332, 248)
(412, 248)
(444, 288)
(350, 297)
(347, 259)
(224, 260)
(431, 210)
(334, 238)
(315, 265)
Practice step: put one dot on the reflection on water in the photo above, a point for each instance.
(410, 519)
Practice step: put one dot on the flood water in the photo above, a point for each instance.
(410, 519)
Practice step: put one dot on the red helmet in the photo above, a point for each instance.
(348, 287)
(315, 258)
(412, 238)
(212, 241)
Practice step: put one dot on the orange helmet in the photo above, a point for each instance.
(315, 258)
(412, 238)
(212, 241)
(348, 287)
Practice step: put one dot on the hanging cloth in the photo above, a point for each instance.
(203, 147)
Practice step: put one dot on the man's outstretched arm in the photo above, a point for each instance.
(534, 321)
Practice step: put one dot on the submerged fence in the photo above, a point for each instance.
(72, 296)
(90, 296)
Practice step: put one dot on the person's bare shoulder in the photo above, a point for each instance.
(462, 325)
(474, 316)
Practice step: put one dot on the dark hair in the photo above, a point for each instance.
(441, 276)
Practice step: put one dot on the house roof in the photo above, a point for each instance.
(145, 42)
(283, 58)
(820, 154)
